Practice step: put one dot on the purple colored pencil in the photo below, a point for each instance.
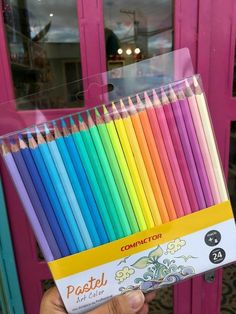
(181, 158)
(183, 102)
(24, 197)
(26, 178)
(187, 149)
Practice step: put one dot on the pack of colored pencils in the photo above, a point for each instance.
(129, 195)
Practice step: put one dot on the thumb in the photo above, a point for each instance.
(129, 303)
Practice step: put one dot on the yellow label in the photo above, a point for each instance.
(140, 241)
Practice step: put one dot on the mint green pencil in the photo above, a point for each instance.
(109, 176)
(107, 144)
(92, 181)
(101, 177)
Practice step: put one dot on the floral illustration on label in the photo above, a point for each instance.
(124, 273)
(186, 258)
(160, 273)
(175, 246)
(123, 261)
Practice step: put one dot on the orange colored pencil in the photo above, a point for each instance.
(147, 116)
(143, 133)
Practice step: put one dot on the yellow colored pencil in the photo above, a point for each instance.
(132, 166)
(140, 164)
(124, 170)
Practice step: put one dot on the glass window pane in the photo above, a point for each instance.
(136, 30)
(43, 41)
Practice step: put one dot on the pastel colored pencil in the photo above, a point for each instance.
(170, 121)
(110, 126)
(175, 113)
(101, 177)
(68, 188)
(55, 178)
(202, 141)
(202, 107)
(151, 157)
(143, 165)
(187, 117)
(43, 197)
(151, 120)
(81, 175)
(24, 197)
(165, 132)
(51, 192)
(116, 171)
(22, 167)
(76, 187)
(92, 181)
(109, 176)
(179, 151)
(124, 140)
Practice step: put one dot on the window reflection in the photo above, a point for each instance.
(44, 51)
(136, 30)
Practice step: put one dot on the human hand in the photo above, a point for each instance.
(133, 302)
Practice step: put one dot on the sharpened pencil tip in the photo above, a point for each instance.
(63, 123)
(105, 111)
(88, 113)
(20, 136)
(12, 140)
(37, 130)
(122, 105)
(96, 112)
(72, 122)
(29, 135)
(138, 99)
(80, 118)
(195, 81)
(46, 128)
(186, 83)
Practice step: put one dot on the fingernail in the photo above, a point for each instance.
(136, 299)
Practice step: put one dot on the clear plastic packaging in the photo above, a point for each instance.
(119, 195)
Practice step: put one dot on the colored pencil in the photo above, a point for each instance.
(175, 113)
(92, 180)
(143, 165)
(81, 175)
(202, 107)
(75, 187)
(171, 166)
(124, 140)
(115, 168)
(202, 141)
(187, 117)
(68, 188)
(22, 167)
(109, 176)
(51, 192)
(101, 177)
(150, 154)
(52, 170)
(110, 126)
(150, 119)
(24, 197)
(43, 197)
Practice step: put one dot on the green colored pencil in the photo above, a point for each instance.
(92, 181)
(107, 144)
(101, 177)
(109, 176)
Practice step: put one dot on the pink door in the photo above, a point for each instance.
(48, 48)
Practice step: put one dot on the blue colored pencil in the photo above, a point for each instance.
(42, 194)
(52, 170)
(81, 175)
(68, 188)
(76, 186)
(51, 193)
(20, 163)
(92, 181)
